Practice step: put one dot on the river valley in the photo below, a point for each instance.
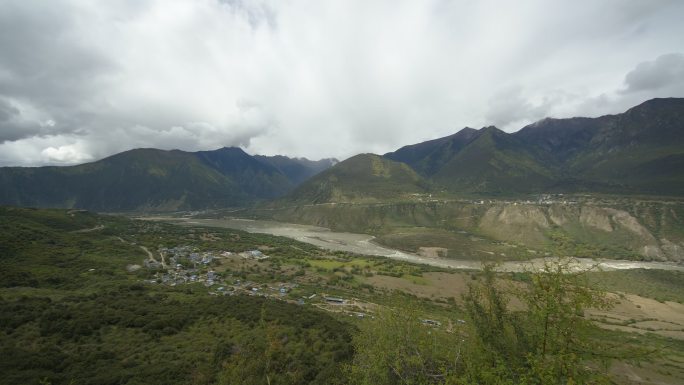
(363, 244)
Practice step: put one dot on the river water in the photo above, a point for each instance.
(363, 244)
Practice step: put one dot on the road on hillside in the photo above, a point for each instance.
(152, 258)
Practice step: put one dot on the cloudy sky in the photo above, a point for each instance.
(84, 79)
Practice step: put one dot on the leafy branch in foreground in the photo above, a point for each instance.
(549, 340)
(533, 333)
(397, 348)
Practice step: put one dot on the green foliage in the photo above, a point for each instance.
(662, 285)
(69, 311)
(499, 333)
(134, 335)
(547, 343)
(396, 348)
(154, 234)
(55, 248)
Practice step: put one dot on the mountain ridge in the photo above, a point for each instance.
(149, 179)
(638, 151)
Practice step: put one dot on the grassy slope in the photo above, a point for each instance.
(362, 178)
(661, 285)
(494, 163)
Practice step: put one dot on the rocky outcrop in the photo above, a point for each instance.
(672, 251)
(595, 217)
(517, 223)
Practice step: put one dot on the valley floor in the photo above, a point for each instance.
(364, 244)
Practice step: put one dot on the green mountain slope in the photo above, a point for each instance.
(147, 179)
(361, 178)
(639, 151)
(256, 178)
(428, 157)
(136, 179)
(494, 162)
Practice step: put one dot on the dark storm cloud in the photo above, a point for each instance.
(47, 70)
(10, 122)
(7, 111)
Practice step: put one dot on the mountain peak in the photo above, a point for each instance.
(361, 178)
(228, 150)
(297, 170)
(490, 129)
(426, 156)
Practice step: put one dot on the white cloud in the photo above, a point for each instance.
(666, 71)
(310, 78)
(66, 154)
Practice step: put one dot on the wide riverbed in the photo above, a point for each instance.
(362, 244)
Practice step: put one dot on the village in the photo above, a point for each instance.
(185, 265)
(540, 199)
(182, 265)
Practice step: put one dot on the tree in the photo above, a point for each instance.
(498, 343)
(398, 348)
(546, 343)
(556, 300)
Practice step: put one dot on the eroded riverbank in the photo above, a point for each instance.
(363, 244)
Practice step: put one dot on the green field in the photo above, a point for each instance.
(661, 285)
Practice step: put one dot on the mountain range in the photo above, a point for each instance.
(640, 151)
(158, 180)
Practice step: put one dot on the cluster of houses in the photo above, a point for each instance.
(542, 199)
(181, 256)
(173, 277)
(182, 265)
(185, 264)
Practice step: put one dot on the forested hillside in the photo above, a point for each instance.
(157, 180)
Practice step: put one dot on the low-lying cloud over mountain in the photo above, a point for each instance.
(80, 80)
